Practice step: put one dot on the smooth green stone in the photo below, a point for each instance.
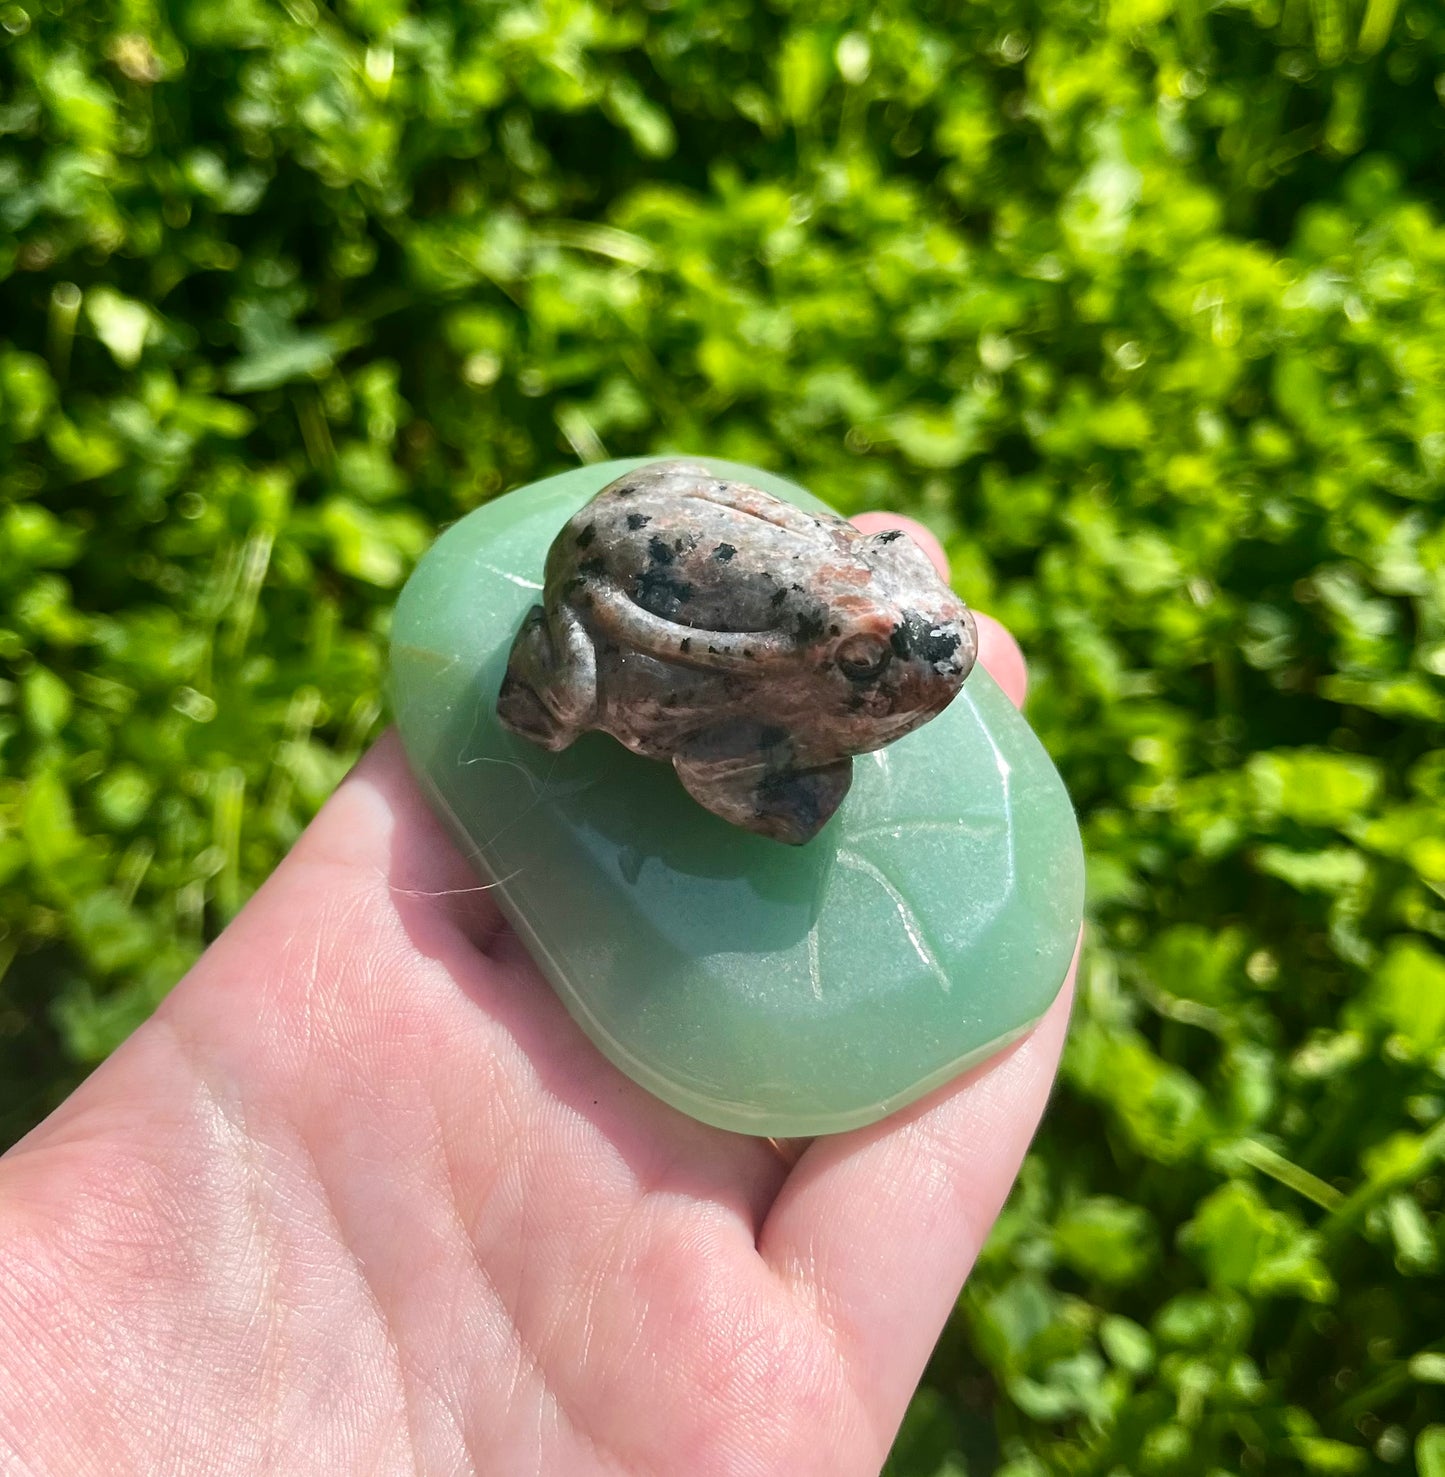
(759, 987)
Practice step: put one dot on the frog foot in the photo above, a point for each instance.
(549, 692)
(522, 711)
(795, 805)
(785, 804)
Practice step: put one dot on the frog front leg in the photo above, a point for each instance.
(549, 693)
(748, 775)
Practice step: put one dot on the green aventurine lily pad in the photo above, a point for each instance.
(760, 987)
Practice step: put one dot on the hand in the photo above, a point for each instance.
(361, 1198)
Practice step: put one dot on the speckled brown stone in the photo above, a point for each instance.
(756, 646)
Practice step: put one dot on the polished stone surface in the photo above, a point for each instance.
(760, 987)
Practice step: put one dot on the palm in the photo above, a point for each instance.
(362, 1198)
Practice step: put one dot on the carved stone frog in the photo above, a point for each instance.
(756, 646)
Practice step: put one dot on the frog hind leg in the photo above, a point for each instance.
(759, 789)
(549, 692)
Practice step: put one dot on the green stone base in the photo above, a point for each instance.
(759, 987)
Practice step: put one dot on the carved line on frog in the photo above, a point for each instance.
(847, 642)
(722, 651)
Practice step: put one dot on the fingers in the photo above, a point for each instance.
(997, 650)
(1002, 658)
(924, 537)
(379, 826)
(877, 1229)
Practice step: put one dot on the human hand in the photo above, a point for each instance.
(360, 1197)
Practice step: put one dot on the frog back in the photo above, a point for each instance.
(702, 557)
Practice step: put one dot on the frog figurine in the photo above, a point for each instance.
(756, 646)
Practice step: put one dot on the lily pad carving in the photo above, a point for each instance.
(767, 989)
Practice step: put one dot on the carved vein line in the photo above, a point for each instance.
(815, 970)
(1005, 775)
(899, 828)
(512, 579)
(911, 925)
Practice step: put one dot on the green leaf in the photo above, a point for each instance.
(1414, 1238)
(111, 933)
(1330, 869)
(1405, 996)
(123, 796)
(1127, 1344)
(27, 393)
(1198, 1320)
(1199, 963)
(1430, 1451)
(1245, 1245)
(297, 356)
(33, 535)
(1106, 1239)
(1428, 1368)
(802, 74)
(48, 824)
(650, 128)
(121, 323)
(1161, 1107)
(1319, 1454)
(1313, 786)
(378, 548)
(1072, 1386)
(47, 700)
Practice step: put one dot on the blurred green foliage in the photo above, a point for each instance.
(1141, 303)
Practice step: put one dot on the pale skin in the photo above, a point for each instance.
(360, 1198)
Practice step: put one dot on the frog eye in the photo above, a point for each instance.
(862, 658)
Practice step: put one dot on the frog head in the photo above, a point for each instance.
(898, 647)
